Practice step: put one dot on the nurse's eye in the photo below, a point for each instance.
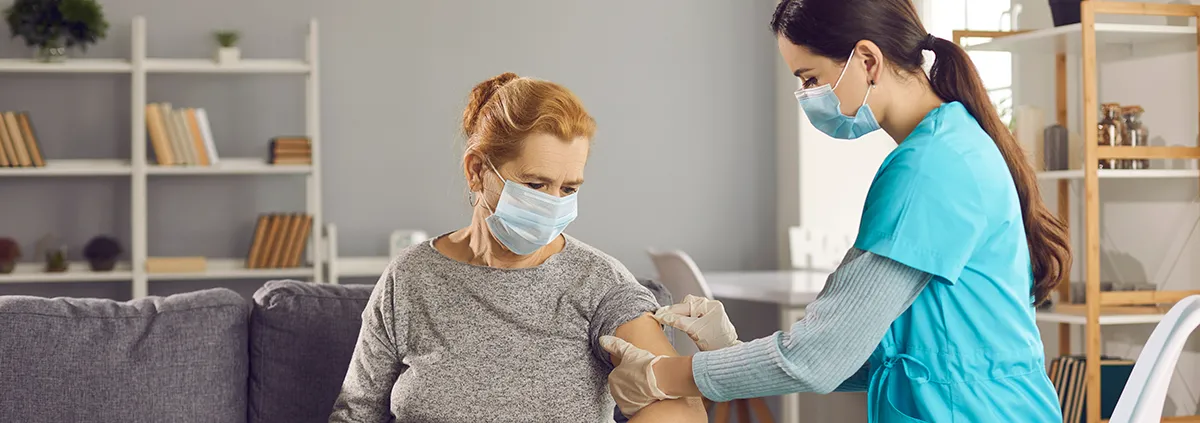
(810, 82)
(535, 185)
(569, 190)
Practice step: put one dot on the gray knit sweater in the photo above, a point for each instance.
(446, 341)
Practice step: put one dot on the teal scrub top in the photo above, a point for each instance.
(968, 349)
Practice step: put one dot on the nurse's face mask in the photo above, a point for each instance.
(526, 219)
(824, 110)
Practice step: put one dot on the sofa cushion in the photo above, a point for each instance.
(180, 358)
(302, 336)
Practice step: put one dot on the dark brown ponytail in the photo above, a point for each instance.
(831, 28)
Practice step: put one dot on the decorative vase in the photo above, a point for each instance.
(51, 52)
(102, 265)
(7, 266)
(227, 55)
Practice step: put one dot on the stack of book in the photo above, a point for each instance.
(279, 240)
(180, 136)
(291, 150)
(18, 142)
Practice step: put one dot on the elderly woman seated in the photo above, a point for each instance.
(501, 320)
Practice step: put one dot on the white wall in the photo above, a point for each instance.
(1147, 226)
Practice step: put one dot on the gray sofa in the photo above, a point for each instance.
(206, 357)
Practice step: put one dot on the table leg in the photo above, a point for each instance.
(790, 403)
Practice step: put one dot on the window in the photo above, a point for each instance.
(944, 16)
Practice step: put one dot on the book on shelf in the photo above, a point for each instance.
(279, 240)
(290, 150)
(193, 264)
(180, 136)
(1069, 375)
(19, 145)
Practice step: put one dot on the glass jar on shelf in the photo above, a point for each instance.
(1111, 132)
(1136, 135)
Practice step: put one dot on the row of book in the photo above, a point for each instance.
(18, 142)
(290, 150)
(180, 136)
(1069, 375)
(279, 240)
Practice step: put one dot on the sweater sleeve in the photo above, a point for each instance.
(822, 352)
(376, 364)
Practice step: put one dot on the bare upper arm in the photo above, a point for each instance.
(644, 332)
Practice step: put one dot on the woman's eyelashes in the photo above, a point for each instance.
(541, 186)
(810, 82)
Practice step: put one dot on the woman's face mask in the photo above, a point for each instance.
(824, 110)
(526, 219)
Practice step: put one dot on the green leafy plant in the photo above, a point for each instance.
(227, 38)
(54, 23)
(56, 260)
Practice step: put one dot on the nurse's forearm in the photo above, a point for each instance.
(819, 353)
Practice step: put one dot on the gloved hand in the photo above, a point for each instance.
(704, 320)
(632, 383)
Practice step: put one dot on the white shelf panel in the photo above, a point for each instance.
(263, 66)
(231, 166)
(1123, 174)
(81, 167)
(68, 66)
(1105, 319)
(1066, 39)
(235, 268)
(77, 271)
(349, 267)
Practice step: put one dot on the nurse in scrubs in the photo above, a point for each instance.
(932, 312)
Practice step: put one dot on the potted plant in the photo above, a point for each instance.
(56, 259)
(101, 253)
(228, 52)
(53, 26)
(10, 251)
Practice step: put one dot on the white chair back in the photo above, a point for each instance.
(1146, 391)
(679, 274)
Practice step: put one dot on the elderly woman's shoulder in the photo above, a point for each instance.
(416, 256)
(599, 260)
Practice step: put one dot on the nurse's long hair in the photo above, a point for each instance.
(830, 28)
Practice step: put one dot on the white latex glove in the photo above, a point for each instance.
(632, 383)
(704, 320)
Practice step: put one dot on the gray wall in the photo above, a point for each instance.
(683, 92)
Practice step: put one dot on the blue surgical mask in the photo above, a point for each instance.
(526, 219)
(824, 110)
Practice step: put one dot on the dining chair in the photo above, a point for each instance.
(1146, 390)
(680, 275)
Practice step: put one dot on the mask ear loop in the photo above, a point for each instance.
(839, 81)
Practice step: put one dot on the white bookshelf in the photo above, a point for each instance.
(1106, 319)
(70, 167)
(233, 268)
(1122, 174)
(139, 168)
(232, 166)
(1111, 37)
(69, 66)
(77, 271)
(353, 266)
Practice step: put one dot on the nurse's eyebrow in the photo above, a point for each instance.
(800, 71)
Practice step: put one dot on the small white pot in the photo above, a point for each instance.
(226, 55)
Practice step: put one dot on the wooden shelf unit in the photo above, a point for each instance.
(1081, 40)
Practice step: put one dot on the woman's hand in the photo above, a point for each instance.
(632, 383)
(704, 320)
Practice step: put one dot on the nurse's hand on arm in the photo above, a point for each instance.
(825, 352)
(644, 334)
(703, 320)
